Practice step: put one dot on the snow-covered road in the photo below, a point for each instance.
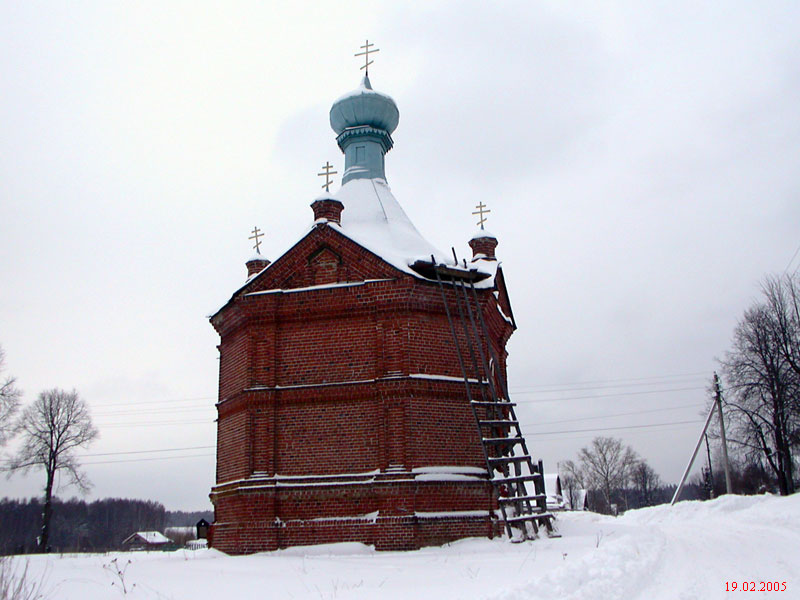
(688, 551)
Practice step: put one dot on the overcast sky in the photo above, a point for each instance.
(641, 162)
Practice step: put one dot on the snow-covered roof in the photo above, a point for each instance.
(151, 537)
(551, 483)
(483, 233)
(373, 218)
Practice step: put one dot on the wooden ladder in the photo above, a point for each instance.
(509, 463)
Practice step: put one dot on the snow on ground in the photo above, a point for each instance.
(683, 552)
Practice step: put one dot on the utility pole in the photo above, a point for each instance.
(710, 471)
(726, 464)
(694, 455)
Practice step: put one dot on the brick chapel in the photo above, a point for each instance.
(344, 409)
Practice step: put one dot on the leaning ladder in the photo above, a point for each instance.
(508, 462)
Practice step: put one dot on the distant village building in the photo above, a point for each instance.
(555, 495)
(202, 529)
(343, 413)
(146, 540)
(577, 500)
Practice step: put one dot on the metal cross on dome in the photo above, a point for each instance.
(326, 172)
(256, 234)
(482, 210)
(367, 51)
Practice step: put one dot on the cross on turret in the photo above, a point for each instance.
(482, 210)
(326, 172)
(367, 51)
(256, 234)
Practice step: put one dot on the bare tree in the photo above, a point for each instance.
(572, 483)
(607, 465)
(9, 402)
(645, 481)
(783, 299)
(763, 373)
(52, 429)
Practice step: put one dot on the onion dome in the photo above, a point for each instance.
(364, 107)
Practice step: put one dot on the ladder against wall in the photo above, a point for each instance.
(518, 481)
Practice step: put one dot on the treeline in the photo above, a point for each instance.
(78, 526)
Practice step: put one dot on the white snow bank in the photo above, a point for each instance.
(688, 551)
(342, 549)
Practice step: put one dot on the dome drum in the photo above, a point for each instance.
(361, 131)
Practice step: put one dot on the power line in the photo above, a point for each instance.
(155, 423)
(607, 395)
(615, 428)
(151, 451)
(126, 460)
(624, 380)
(139, 403)
(791, 260)
(544, 388)
(544, 440)
(537, 390)
(626, 414)
(580, 384)
(153, 411)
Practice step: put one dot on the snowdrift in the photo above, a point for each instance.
(691, 550)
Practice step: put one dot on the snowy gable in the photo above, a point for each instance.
(322, 257)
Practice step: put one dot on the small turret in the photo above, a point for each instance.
(328, 208)
(483, 244)
(256, 264)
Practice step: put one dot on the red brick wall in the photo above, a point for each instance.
(247, 522)
(321, 382)
(323, 437)
(327, 350)
(234, 363)
(233, 447)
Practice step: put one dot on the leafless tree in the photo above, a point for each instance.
(52, 429)
(763, 374)
(9, 402)
(607, 465)
(645, 482)
(783, 299)
(572, 482)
